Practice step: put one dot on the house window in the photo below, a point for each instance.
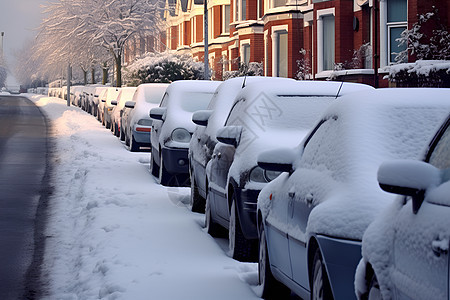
(396, 24)
(226, 19)
(281, 54)
(278, 3)
(246, 54)
(241, 10)
(260, 9)
(328, 42)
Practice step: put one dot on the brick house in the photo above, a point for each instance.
(288, 36)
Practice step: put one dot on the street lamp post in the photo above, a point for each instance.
(1, 45)
(206, 54)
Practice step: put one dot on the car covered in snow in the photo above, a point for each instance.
(125, 94)
(406, 249)
(311, 219)
(137, 123)
(105, 106)
(96, 99)
(204, 137)
(172, 128)
(263, 116)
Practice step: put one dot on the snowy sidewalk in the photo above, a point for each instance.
(114, 233)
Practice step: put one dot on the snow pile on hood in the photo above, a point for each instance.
(113, 233)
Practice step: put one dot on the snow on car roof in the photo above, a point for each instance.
(369, 128)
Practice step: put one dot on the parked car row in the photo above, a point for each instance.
(302, 210)
(302, 175)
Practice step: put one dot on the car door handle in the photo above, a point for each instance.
(219, 155)
(440, 246)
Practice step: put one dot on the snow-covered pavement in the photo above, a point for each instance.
(114, 233)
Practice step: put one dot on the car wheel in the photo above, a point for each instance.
(154, 167)
(374, 292)
(271, 288)
(212, 227)
(320, 289)
(134, 146)
(197, 202)
(122, 135)
(240, 248)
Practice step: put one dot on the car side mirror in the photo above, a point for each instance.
(113, 102)
(103, 100)
(230, 135)
(409, 178)
(278, 160)
(158, 113)
(130, 104)
(201, 117)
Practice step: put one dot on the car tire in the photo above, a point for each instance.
(373, 292)
(134, 146)
(212, 227)
(154, 167)
(164, 176)
(271, 288)
(320, 284)
(240, 248)
(122, 135)
(196, 201)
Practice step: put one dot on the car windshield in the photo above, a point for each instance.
(268, 113)
(154, 94)
(193, 101)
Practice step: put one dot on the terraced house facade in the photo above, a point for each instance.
(293, 38)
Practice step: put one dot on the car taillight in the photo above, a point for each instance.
(143, 129)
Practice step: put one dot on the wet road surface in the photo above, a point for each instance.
(23, 189)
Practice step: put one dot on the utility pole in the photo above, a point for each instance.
(1, 45)
(205, 38)
(376, 57)
(69, 78)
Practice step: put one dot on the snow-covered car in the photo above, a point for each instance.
(125, 94)
(138, 124)
(204, 137)
(406, 249)
(111, 95)
(172, 128)
(75, 94)
(125, 121)
(263, 116)
(96, 99)
(311, 219)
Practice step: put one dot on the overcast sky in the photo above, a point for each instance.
(19, 19)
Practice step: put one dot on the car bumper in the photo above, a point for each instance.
(176, 160)
(246, 202)
(142, 137)
(341, 257)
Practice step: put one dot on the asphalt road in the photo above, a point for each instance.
(24, 187)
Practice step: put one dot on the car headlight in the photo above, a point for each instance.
(257, 174)
(145, 122)
(181, 135)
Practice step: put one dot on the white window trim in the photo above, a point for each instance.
(275, 31)
(385, 51)
(266, 54)
(243, 43)
(320, 14)
(224, 26)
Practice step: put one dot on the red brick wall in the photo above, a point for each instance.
(256, 46)
(251, 9)
(187, 33)
(217, 12)
(199, 28)
(173, 37)
(295, 43)
(234, 60)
